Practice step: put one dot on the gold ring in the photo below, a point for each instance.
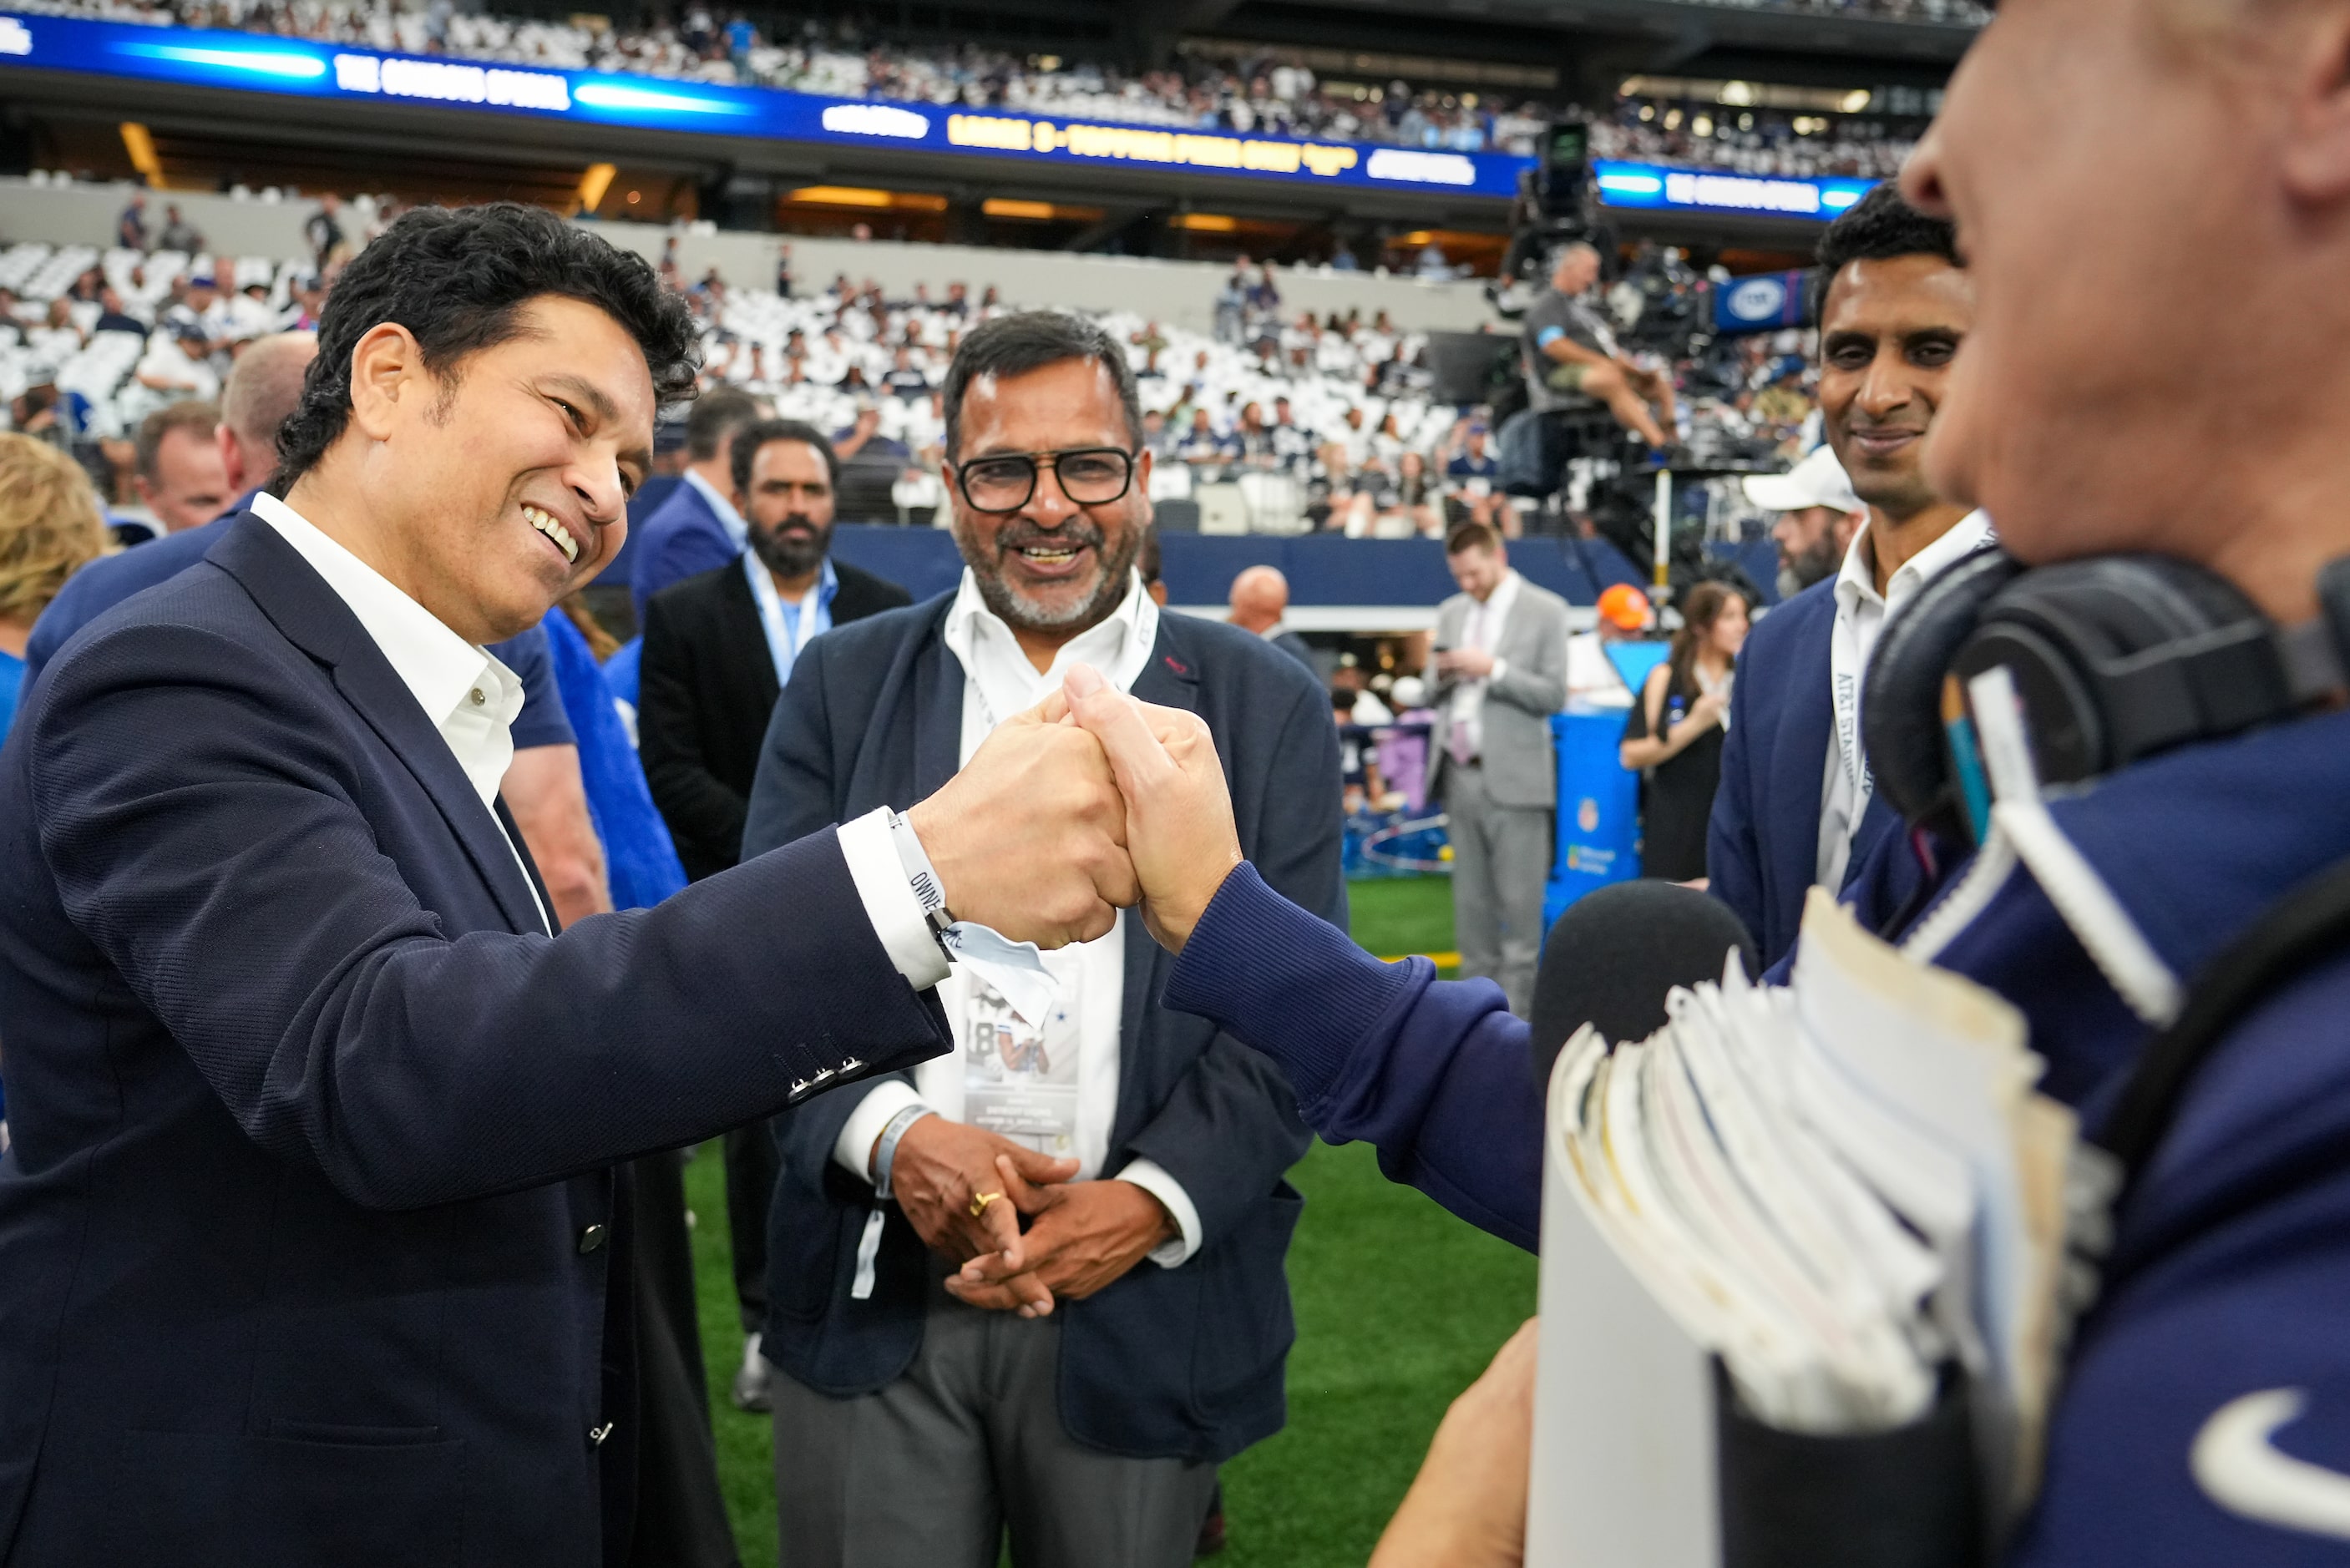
(979, 1202)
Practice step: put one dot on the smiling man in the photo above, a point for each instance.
(306, 1232)
(1085, 1401)
(1797, 805)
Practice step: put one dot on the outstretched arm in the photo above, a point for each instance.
(1435, 1075)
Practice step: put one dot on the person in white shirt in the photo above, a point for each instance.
(1086, 1397)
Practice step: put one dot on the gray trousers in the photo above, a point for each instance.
(1501, 859)
(932, 1469)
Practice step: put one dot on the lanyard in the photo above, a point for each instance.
(1846, 667)
(787, 641)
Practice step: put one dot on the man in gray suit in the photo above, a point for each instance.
(1501, 673)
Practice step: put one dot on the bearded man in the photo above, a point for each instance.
(1084, 1403)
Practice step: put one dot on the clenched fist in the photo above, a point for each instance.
(1179, 837)
(1029, 837)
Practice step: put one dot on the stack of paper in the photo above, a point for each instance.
(1838, 1189)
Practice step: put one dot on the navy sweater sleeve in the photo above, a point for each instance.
(1435, 1075)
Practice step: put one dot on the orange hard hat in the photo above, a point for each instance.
(1624, 608)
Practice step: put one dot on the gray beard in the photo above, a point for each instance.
(1022, 614)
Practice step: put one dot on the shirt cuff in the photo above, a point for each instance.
(1159, 1182)
(1501, 668)
(852, 1149)
(889, 901)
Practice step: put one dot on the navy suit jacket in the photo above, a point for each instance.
(682, 539)
(304, 1248)
(1762, 844)
(110, 579)
(1184, 1362)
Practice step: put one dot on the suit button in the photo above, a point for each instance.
(591, 1239)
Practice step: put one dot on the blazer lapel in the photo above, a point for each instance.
(1800, 759)
(744, 629)
(315, 619)
(938, 710)
(1171, 680)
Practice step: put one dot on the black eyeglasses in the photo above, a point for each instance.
(1089, 475)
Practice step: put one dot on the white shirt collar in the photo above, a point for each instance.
(992, 658)
(470, 697)
(1857, 583)
(722, 505)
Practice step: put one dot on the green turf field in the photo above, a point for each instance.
(1398, 1307)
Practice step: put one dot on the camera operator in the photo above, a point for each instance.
(1571, 354)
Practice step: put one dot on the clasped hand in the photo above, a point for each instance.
(1089, 803)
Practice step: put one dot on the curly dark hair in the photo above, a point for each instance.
(458, 280)
(1880, 227)
(1029, 340)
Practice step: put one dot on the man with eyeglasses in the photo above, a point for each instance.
(1085, 1404)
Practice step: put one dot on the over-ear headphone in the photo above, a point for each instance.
(2113, 659)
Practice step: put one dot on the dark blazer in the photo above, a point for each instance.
(680, 538)
(304, 1251)
(705, 686)
(1762, 844)
(1184, 1362)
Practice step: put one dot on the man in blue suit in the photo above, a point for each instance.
(1086, 1402)
(697, 529)
(307, 1248)
(1797, 806)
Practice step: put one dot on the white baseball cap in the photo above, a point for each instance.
(1817, 480)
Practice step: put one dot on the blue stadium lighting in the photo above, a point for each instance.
(609, 95)
(266, 62)
(1657, 187)
(1633, 184)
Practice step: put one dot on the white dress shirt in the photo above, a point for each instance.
(1860, 615)
(468, 696)
(724, 505)
(1482, 630)
(999, 681)
(473, 700)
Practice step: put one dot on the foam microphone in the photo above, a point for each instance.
(1613, 955)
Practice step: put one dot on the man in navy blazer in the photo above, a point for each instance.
(307, 1249)
(1797, 806)
(1147, 1342)
(696, 529)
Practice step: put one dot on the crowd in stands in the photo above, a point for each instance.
(1267, 96)
(1321, 421)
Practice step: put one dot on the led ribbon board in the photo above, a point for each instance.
(1659, 187)
(297, 67)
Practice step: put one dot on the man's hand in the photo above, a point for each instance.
(1081, 1238)
(1468, 663)
(1467, 1508)
(940, 1165)
(1180, 837)
(1029, 837)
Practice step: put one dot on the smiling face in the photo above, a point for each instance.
(1053, 567)
(496, 488)
(1889, 332)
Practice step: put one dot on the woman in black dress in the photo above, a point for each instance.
(1675, 731)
